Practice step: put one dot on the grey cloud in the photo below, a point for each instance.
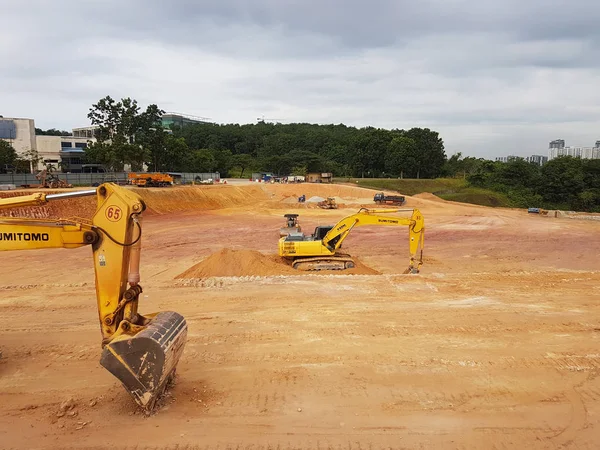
(477, 70)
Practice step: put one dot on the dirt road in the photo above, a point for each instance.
(494, 345)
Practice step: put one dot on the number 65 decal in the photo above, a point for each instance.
(114, 213)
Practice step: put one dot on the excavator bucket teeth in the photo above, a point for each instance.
(146, 362)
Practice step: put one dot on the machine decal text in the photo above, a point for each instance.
(24, 237)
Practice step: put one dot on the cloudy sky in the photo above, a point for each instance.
(493, 77)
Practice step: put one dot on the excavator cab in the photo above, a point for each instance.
(321, 232)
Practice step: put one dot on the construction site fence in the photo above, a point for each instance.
(88, 179)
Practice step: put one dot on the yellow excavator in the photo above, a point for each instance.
(320, 250)
(142, 351)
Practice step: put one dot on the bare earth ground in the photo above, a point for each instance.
(494, 345)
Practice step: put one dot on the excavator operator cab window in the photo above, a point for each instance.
(320, 232)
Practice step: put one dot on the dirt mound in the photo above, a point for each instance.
(75, 207)
(198, 198)
(238, 263)
(158, 201)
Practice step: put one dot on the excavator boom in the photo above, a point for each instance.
(142, 351)
(319, 251)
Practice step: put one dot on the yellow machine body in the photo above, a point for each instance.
(142, 351)
(320, 250)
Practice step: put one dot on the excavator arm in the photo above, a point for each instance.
(416, 230)
(142, 351)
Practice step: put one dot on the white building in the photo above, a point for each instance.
(537, 159)
(540, 160)
(507, 158)
(557, 148)
(19, 133)
(67, 151)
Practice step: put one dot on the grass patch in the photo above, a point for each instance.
(452, 189)
(477, 196)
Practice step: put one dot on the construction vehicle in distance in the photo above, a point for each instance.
(543, 212)
(328, 203)
(47, 180)
(389, 199)
(150, 179)
(142, 351)
(51, 181)
(319, 251)
(292, 225)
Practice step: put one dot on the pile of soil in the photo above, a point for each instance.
(84, 207)
(239, 263)
(200, 198)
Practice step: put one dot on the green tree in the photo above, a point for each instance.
(340, 149)
(431, 156)
(52, 132)
(453, 166)
(562, 180)
(8, 156)
(110, 156)
(202, 161)
(151, 137)
(243, 161)
(30, 158)
(125, 135)
(299, 171)
(223, 161)
(588, 200)
(403, 158)
(176, 155)
(517, 173)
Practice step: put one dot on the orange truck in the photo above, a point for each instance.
(150, 179)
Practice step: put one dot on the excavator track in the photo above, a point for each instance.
(319, 263)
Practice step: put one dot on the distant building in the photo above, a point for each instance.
(319, 177)
(66, 150)
(18, 132)
(181, 120)
(540, 160)
(537, 159)
(557, 148)
(86, 132)
(507, 158)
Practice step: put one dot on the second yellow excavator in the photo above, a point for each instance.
(142, 351)
(320, 250)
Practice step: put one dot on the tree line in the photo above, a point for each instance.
(128, 135)
(565, 183)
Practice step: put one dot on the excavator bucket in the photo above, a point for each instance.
(145, 363)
